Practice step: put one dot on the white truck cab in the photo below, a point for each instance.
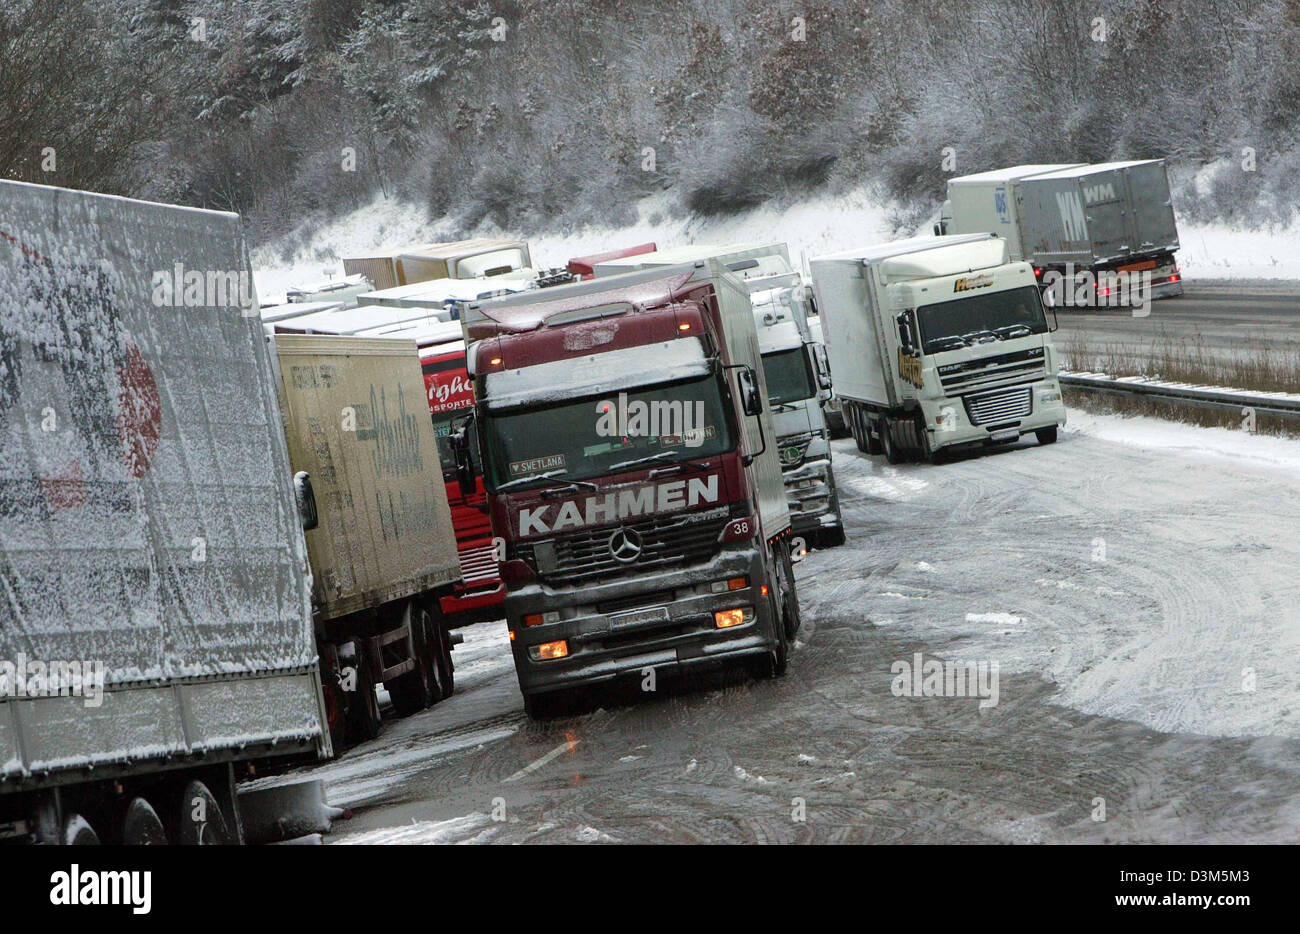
(938, 342)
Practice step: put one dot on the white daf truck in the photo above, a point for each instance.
(937, 342)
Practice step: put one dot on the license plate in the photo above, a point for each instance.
(649, 614)
(1009, 435)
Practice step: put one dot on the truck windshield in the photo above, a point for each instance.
(789, 376)
(592, 437)
(991, 316)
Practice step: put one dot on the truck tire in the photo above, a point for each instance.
(142, 826)
(857, 427)
(201, 821)
(446, 667)
(78, 832)
(1046, 435)
(363, 706)
(894, 452)
(421, 687)
(873, 440)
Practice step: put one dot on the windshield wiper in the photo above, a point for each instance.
(653, 458)
(940, 344)
(1007, 330)
(549, 475)
(970, 337)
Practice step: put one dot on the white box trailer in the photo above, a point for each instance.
(148, 529)
(936, 342)
(1080, 223)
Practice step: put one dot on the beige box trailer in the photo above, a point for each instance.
(459, 259)
(382, 550)
(357, 421)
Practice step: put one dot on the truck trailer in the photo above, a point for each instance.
(460, 259)
(156, 628)
(935, 343)
(1092, 232)
(380, 541)
(629, 459)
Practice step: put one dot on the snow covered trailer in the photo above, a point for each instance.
(155, 624)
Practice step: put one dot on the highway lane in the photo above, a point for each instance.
(1228, 320)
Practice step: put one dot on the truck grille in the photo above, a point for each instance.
(987, 372)
(1004, 405)
(478, 565)
(685, 538)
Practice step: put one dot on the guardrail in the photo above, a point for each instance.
(1276, 404)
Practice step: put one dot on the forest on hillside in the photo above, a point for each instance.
(533, 113)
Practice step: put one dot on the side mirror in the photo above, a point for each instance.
(905, 333)
(306, 500)
(751, 401)
(465, 478)
(822, 365)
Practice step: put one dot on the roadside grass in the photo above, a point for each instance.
(1262, 368)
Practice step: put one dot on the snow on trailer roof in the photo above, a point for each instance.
(882, 251)
(423, 333)
(597, 374)
(1012, 173)
(457, 249)
(438, 348)
(461, 290)
(274, 313)
(516, 314)
(1080, 171)
(355, 320)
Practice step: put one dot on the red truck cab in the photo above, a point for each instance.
(631, 545)
(451, 396)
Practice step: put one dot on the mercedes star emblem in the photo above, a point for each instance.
(625, 545)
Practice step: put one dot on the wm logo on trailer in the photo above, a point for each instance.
(1092, 194)
(1072, 219)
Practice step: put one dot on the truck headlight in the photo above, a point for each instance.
(548, 650)
(725, 619)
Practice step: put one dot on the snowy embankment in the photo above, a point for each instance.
(810, 226)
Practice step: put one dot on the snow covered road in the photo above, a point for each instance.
(1137, 584)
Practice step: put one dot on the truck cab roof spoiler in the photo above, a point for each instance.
(529, 311)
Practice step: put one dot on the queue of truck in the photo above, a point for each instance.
(227, 532)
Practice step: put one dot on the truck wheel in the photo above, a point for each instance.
(78, 832)
(422, 686)
(789, 595)
(442, 652)
(201, 821)
(332, 693)
(1046, 435)
(929, 454)
(363, 706)
(857, 428)
(893, 452)
(874, 444)
(142, 826)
